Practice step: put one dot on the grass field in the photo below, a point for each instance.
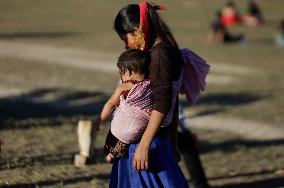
(56, 67)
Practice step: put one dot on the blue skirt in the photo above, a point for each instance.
(163, 171)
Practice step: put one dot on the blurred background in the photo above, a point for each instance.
(58, 65)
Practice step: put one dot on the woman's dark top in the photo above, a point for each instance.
(164, 68)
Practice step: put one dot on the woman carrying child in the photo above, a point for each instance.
(151, 162)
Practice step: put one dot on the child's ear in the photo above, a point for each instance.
(127, 72)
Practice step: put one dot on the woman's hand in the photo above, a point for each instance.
(141, 157)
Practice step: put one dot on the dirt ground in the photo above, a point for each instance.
(57, 65)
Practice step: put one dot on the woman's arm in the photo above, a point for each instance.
(141, 161)
(163, 70)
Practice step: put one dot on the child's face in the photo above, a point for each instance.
(125, 76)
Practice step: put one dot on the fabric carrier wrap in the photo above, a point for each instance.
(195, 72)
(131, 117)
(191, 81)
(176, 87)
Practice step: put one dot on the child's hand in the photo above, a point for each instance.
(97, 124)
(114, 100)
(125, 86)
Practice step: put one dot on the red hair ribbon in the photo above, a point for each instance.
(144, 26)
(160, 7)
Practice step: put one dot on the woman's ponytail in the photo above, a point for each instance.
(159, 28)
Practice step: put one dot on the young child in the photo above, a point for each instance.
(133, 103)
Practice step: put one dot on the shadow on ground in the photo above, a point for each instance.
(70, 104)
(49, 159)
(217, 102)
(228, 99)
(186, 141)
(233, 145)
(49, 104)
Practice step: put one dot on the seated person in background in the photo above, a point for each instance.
(230, 14)
(254, 16)
(220, 34)
(279, 37)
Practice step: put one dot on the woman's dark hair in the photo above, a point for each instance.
(128, 19)
(134, 60)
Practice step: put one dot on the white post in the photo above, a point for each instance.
(85, 142)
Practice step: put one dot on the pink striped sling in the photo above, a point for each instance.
(131, 117)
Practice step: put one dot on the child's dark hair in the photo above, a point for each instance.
(134, 60)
